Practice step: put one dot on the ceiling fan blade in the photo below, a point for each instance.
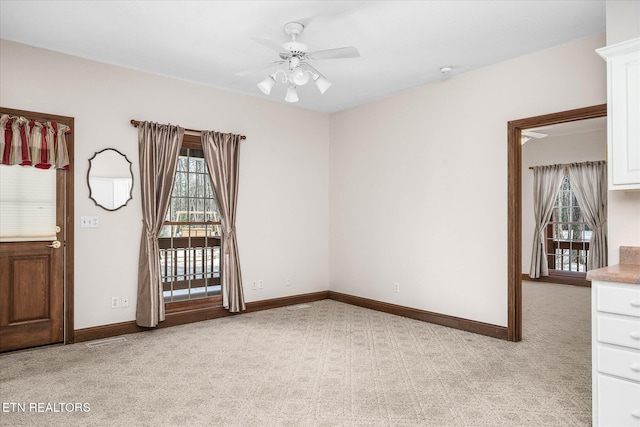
(268, 43)
(338, 53)
(534, 134)
(540, 128)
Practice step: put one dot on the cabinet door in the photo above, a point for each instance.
(625, 148)
(618, 402)
(623, 89)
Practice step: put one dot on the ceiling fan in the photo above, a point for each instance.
(527, 135)
(297, 57)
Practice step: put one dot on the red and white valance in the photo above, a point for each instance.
(28, 142)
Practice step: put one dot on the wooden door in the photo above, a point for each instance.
(32, 285)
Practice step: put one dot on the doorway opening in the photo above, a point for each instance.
(37, 275)
(567, 235)
(514, 208)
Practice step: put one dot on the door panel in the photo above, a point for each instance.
(36, 281)
(29, 288)
(31, 295)
(32, 272)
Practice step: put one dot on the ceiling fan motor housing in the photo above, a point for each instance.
(293, 29)
(296, 48)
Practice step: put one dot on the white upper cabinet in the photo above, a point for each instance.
(623, 112)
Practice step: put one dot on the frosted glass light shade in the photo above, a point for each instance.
(267, 84)
(300, 77)
(292, 95)
(322, 84)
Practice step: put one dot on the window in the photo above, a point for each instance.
(567, 233)
(191, 237)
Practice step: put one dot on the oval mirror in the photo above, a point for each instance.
(110, 179)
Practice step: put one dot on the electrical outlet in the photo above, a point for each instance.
(114, 302)
(287, 282)
(260, 284)
(396, 287)
(125, 302)
(254, 285)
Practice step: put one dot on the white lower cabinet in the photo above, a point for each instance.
(618, 403)
(616, 354)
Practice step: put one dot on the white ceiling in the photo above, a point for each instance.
(402, 44)
(568, 128)
(571, 128)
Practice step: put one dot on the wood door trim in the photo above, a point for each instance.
(68, 214)
(514, 204)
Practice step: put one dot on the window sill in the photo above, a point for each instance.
(194, 304)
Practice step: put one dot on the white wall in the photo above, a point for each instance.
(418, 181)
(623, 20)
(561, 149)
(623, 23)
(409, 189)
(282, 221)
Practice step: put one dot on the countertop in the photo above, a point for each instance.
(628, 271)
(623, 273)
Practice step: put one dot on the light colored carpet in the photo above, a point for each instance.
(332, 364)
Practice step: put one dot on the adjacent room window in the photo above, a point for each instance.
(567, 233)
(191, 238)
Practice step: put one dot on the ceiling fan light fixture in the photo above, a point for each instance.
(267, 84)
(322, 83)
(292, 94)
(300, 77)
(297, 56)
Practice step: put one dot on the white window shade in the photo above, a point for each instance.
(27, 204)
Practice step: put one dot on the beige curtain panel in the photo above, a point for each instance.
(222, 154)
(546, 183)
(159, 147)
(589, 184)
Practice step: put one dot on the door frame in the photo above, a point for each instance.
(69, 336)
(514, 204)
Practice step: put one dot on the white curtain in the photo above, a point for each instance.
(589, 184)
(546, 183)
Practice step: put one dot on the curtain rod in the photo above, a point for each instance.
(45, 120)
(42, 121)
(135, 123)
(566, 165)
(563, 165)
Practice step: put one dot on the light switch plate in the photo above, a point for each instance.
(89, 222)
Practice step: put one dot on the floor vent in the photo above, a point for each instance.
(108, 341)
(298, 307)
